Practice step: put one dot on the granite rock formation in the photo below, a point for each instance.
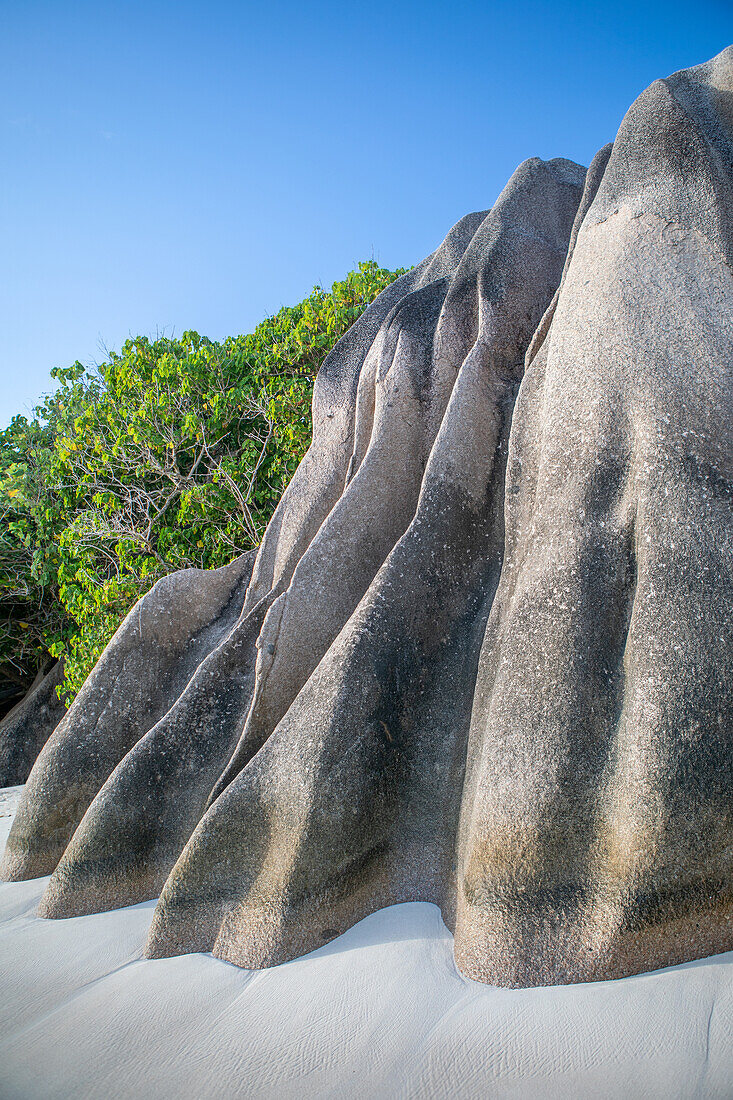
(484, 654)
(27, 727)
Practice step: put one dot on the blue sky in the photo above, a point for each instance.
(169, 165)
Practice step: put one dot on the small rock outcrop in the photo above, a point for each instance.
(484, 654)
(27, 727)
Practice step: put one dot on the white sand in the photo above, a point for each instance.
(380, 1012)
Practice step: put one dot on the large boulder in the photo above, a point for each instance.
(596, 833)
(484, 654)
(405, 475)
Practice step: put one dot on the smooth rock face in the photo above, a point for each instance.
(159, 651)
(596, 827)
(27, 727)
(484, 654)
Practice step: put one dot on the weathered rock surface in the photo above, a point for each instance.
(27, 727)
(597, 828)
(484, 655)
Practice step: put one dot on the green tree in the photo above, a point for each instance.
(34, 506)
(173, 453)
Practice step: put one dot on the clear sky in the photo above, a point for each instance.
(170, 165)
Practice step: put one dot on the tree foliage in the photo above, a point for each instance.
(172, 453)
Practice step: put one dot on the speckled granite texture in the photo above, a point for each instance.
(484, 655)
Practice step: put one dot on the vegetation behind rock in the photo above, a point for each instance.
(172, 453)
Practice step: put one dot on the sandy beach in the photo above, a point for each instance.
(380, 1012)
